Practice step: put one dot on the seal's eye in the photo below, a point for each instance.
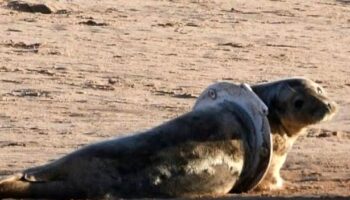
(212, 94)
(298, 104)
(319, 90)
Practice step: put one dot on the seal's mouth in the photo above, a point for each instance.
(326, 112)
(331, 111)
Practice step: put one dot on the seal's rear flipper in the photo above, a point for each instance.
(18, 187)
(13, 187)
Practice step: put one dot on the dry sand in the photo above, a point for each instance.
(101, 69)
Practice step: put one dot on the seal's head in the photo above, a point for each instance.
(222, 91)
(215, 93)
(296, 103)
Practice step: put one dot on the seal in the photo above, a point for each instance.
(259, 153)
(293, 104)
(204, 152)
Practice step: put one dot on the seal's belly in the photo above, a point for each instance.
(210, 168)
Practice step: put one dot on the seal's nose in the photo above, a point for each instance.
(332, 106)
(329, 106)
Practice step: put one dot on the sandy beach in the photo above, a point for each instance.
(93, 70)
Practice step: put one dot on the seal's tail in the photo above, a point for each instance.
(18, 187)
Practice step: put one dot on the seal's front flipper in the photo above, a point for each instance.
(45, 173)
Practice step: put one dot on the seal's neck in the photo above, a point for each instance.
(268, 93)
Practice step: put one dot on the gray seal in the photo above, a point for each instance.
(205, 152)
(294, 104)
(260, 154)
